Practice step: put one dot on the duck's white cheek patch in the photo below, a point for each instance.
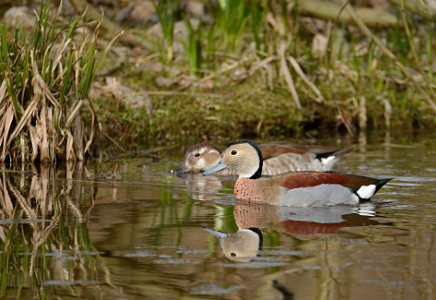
(202, 150)
(366, 191)
(200, 163)
(214, 151)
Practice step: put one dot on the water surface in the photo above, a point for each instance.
(128, 229)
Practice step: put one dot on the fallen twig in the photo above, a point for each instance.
(169, 93)
(226, 69)
(112, 140)
(303, 76)
(330, 11)
(287, 74)
(416, 7)
(263, 63)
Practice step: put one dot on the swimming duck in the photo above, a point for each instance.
(278, 158)
(303, 189)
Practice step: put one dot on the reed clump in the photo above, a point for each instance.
(45, 78)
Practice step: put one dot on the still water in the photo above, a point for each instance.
(128, 229)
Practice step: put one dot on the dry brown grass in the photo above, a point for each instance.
(43, 92)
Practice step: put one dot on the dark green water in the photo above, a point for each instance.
(138, 235)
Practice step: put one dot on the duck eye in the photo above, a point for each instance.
(233, 152)
(233, 254)
(197, 154)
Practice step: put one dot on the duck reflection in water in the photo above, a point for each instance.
(303, 220)
(241, 246)
(204, 187)
(245, 244)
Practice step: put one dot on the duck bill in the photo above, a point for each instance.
(216, 233)
(178, 171)
(218, 167)
(183, 169)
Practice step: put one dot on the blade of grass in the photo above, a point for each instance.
(429, 52)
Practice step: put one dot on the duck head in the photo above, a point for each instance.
(199, 158)
(244, 157)
(240, 246)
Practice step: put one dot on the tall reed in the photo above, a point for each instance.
(167, 17)
(45, 78)
(192, 46)
(231, 18)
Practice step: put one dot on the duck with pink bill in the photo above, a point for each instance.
(301, 189)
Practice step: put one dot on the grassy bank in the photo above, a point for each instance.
(262, 69)
(271, 78)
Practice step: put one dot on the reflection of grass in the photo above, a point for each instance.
(169, 213)
(224, 219)
(46, 240)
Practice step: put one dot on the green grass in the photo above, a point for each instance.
(166, 12)
(257, 14)
(192, 46)
(231, 19)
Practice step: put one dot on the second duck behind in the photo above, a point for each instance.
(278, 158)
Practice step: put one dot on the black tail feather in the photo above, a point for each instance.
(380, 183)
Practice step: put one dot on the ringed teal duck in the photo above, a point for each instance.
(304, 189)
(278, 158)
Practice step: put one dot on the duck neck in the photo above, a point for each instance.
(253, 170)
(258, 172)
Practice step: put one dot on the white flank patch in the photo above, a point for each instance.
(366, 191)
(327, 160)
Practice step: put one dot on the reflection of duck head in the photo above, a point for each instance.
(241, 246)
(201, 189)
